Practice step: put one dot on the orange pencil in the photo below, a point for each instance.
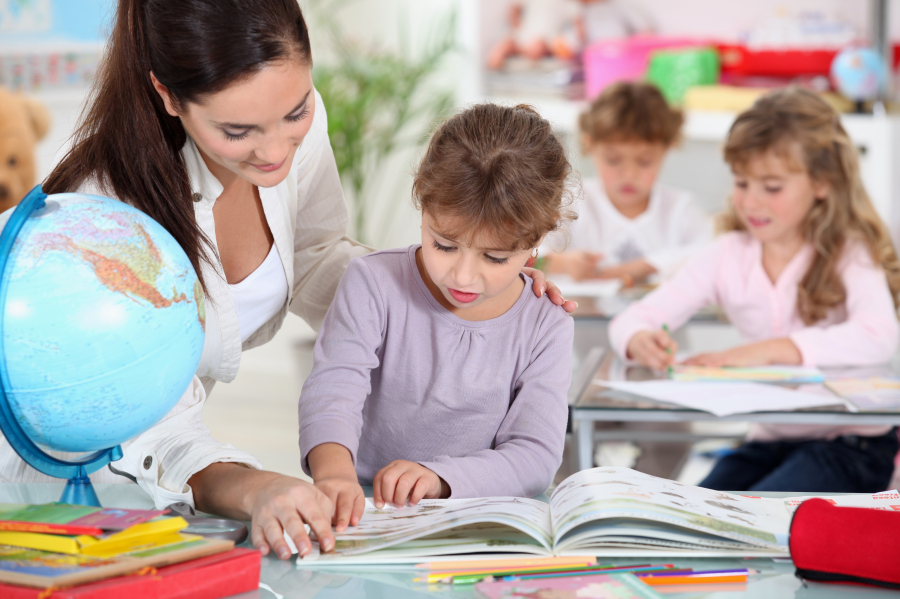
(666, 580)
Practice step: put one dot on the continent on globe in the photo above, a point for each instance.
(103, 323)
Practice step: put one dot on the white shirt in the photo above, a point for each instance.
(260, 296)
(308, 218)
(671, 228)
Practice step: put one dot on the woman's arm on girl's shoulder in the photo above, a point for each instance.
(870, 333)
(675, 300)
(528, 445)
(322, 249)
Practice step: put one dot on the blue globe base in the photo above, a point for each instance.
(80, 491)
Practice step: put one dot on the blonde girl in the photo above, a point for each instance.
(807, 274)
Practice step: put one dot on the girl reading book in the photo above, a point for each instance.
(437, 372)
(807, 274)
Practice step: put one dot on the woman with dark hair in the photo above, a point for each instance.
(205, 117)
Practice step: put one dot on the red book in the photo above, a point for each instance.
(49, 529)
(211, 577)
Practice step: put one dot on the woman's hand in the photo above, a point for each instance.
(401, 481)
(332, 469)
(273, 502)
(541, 284)
(771, 351)
(655, 349)
(285, 504)
(348, 498)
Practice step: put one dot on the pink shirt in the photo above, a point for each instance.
(729, 273)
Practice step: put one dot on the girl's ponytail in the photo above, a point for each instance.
(126, 140)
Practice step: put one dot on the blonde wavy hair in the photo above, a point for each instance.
(783, 122)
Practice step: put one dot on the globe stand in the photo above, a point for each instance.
(79, 489)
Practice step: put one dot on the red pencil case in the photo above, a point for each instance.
(210, 577)
(846, 544)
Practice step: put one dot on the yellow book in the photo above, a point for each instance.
(140, 536)
(45, 542)
(123, 546)
(155, 533)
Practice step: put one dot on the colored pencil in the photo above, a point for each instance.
(433, 576)
(700, 577)
(634, 571)
(743, 571)
(471, 578)
(666, 580)
(526, 562)
(669, 370)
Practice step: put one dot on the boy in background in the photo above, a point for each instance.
(629, 226)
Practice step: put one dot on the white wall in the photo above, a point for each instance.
(380, 21)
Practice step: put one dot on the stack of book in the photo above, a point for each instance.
(67, 549)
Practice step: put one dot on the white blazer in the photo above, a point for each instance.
(308, 218)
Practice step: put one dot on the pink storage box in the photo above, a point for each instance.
(609, 61)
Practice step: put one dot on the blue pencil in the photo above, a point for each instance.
(645, 570)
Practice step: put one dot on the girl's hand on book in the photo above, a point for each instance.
(402, 481)
(655, 349)
(331, 465)
(348, 497)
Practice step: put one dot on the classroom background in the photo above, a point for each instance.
(388, 69)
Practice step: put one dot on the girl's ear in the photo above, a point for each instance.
(821, 189)
(586, 143)
(163, 92)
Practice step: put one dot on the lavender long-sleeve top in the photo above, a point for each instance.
(398, 376)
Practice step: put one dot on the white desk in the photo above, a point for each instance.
(282, 580)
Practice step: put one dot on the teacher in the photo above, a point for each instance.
(205, 117)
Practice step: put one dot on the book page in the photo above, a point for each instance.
(886, 500)
(380, 529)
(606, 493)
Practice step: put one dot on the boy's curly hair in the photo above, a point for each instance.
(632, 111)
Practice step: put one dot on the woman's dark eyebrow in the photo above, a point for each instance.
(248, 127)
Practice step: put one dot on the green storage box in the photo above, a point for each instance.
(674, 71)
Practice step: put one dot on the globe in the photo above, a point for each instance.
(101, 325)
(859, 73)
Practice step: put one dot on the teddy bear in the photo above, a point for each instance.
(23, 122)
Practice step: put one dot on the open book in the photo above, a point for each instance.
(614, 512)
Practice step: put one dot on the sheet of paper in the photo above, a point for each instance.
(723, 399)
(756, 374)
(875, 394)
